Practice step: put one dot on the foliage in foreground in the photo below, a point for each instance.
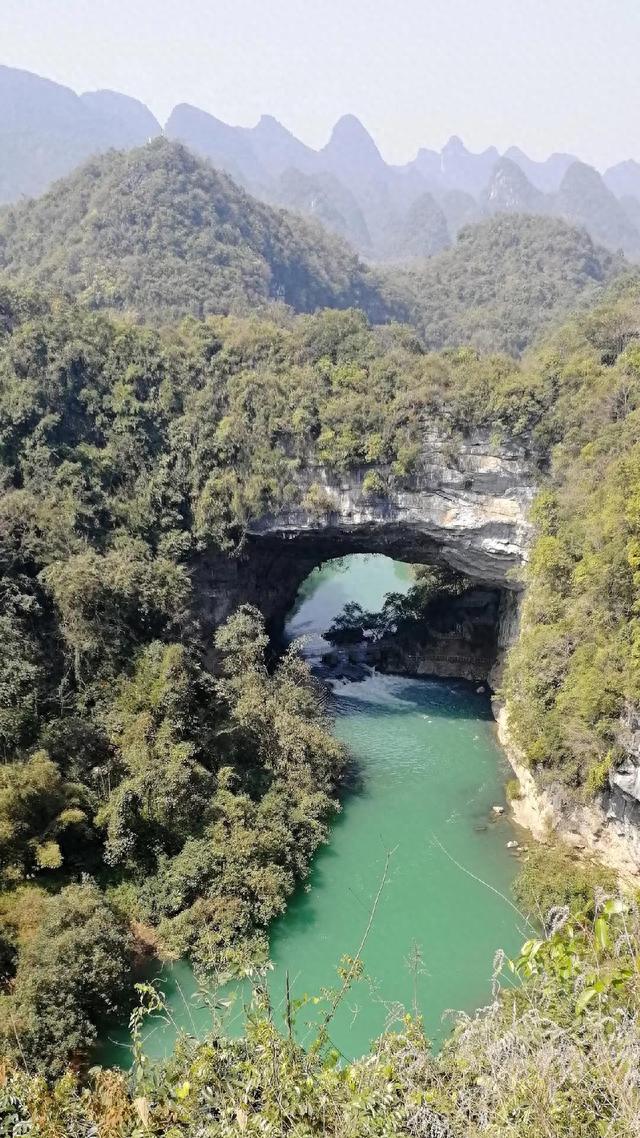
(556, 1054)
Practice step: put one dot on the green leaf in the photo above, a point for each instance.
(601, 930)
(612, 906)
(584, 999)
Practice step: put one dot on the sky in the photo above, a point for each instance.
(542, 74)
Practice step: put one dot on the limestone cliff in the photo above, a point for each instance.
(465, 504)
(607, 829)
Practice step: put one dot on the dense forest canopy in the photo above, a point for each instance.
(159, 233)
(195, 801)
(504, 282)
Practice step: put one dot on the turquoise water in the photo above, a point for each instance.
(428, 771)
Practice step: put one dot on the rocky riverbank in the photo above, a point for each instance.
(607, 830)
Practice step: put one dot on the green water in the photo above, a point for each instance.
(429, 770)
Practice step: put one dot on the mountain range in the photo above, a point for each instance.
(387, 212)
(158, 233)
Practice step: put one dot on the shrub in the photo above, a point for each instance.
(555, 1055)
(373, 485)
(70, 975)
(317, 501)
(513, 790)
(551, 876)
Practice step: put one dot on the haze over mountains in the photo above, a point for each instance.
(158, 233)
(386, 212)
(46, 129)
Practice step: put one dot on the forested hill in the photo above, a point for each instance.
(504, 281)
(159, 233)
(386, 212)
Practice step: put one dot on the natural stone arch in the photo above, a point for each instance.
(466, 508)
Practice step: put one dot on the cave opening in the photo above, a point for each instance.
(462, 634)
(365, 609)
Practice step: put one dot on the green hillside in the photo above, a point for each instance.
(158, 233)
(504, 281)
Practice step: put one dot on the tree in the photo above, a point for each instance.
(70, 976)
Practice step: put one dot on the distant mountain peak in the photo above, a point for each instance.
(132, 120)
(623, 179)
(189, 109)
(352, 153)
(228, 147)
(48, 129)
(629, 164)
(269, 129)
(277, 149)
(455, 145)
(269, 124)
(585, 199)
(509, 190)
(349, 122)
(462, 170)
(350, 131)
(581, 172)
(582, 178)
(545, 176)
(516, 152)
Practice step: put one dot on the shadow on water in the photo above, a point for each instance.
(450, 699)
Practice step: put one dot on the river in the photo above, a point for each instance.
(430, 770)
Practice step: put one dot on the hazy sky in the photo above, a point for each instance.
(544, 74)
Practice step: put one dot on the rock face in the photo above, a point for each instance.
(608, 830)
(465, 506)
(623, 796)
(509, 190)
